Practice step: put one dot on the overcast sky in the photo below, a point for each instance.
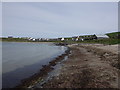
(58, 19)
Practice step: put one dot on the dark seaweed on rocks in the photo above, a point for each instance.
(61, 44)
(25, 83)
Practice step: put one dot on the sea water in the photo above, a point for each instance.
(21, 60)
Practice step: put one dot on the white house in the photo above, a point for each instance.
(77, 39)
(82, 39)
(30, 38)
(33, 39)
(62, 39)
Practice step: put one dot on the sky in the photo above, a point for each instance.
(58, 19)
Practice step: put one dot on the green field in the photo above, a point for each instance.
(104, 41)
(114, 35)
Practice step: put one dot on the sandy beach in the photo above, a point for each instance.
(88, 66)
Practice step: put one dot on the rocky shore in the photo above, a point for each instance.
(88, 66)
(42, 74)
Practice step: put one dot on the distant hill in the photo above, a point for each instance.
(114, 35)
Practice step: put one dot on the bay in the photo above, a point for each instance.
(21, 60)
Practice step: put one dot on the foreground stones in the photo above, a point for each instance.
(87, 67)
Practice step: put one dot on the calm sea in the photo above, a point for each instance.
(21, 60)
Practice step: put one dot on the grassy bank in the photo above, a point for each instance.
(107, 41)
(104, 41)
(114, 35)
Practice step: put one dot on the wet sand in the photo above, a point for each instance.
(88, 66)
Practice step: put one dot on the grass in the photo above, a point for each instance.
(114, 35)
(23, 40)
(14, 39)
(107, 41)
(103, 41)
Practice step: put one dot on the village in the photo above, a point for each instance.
(108, 38)
(74, 38)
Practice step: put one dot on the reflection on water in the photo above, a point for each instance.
(21, 60)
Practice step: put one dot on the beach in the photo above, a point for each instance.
(87, 66)
(56, 44)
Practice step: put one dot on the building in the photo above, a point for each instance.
(87, 37)
(62, 39)
(75, 38)
(10, 36)
(102, 36)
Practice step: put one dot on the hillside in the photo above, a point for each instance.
(114, 35)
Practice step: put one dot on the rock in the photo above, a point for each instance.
(85, 60)
(106, 54)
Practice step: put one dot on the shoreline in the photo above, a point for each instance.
(88, 66)
(39, 76)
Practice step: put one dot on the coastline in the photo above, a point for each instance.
(88, 66)
(39, 76)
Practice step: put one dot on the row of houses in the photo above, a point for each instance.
(82, 38)
(38, 39)
(74, 38)
(29, 38)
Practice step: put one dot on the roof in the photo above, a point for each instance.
(102, 35)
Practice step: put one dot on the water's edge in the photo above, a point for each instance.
(14, 77)
(40, 76)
